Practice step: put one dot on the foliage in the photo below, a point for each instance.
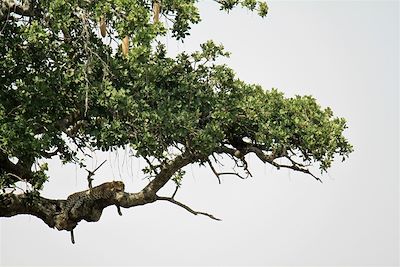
(64, 88)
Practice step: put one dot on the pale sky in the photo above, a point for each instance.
(345, 54)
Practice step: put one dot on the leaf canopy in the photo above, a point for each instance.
(64, 88)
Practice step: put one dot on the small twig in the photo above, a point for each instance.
(214, 171)
(187, 207)
(216, 160)
(99, 166)
(102, 61)
(179, 148)
(152, 167)
(78, 146)
(176, 190)
(296, 168)
(294, 163)
(218, 174)
(246, 166)
(168, 18)
(233, 173)
(91, 173)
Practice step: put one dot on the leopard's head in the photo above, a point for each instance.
(118, 186)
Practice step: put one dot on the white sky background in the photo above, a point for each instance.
(346, 54)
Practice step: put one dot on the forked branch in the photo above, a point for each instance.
(234, 153)
(219, 174)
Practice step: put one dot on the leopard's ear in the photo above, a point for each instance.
(118, 185)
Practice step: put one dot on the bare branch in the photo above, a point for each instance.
(267, 158)
(151, 166)
(246, 166)
(296, 168)
(187, 207)
(218, 174)
(214, 171)
(91, 173)
(216, 160)
(233, 173)
(270, 159)
(99, 166)
(167, 170)
(176, 190)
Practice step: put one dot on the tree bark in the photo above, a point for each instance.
(66, 214)
(49, 210)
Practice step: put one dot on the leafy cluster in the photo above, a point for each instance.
(260, 6)
(62, 84)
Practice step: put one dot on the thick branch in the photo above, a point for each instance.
(43, 208)
(166, 172)
(66, 214)
(85, 205)
(89, 204)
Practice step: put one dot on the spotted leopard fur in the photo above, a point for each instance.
(104, 191)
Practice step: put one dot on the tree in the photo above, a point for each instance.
(65, 89)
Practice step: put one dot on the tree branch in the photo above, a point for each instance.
(266, 158)
(214, 171)
(169, 199)
(176, 191)
(66, 214)
(91, 173)
(86, 205)
(151, 166)
(218, 174)
(27, 203)
(166, 172)
(296, 168)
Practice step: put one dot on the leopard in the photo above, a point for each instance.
(105, 191)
